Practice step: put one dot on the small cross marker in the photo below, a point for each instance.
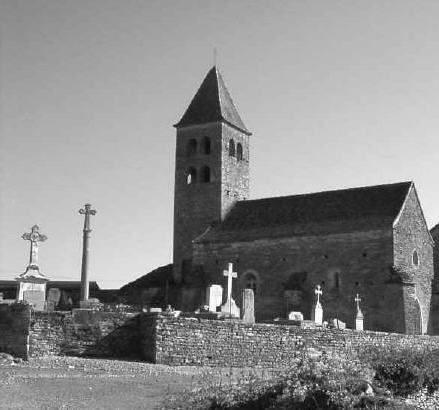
(318, 291)
(230, 275)
(358, 300)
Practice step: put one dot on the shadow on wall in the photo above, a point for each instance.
(121, 343)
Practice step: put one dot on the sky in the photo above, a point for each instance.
(337, 94)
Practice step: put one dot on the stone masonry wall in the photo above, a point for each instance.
(192, 341)
(14, 329)
(84, 333)
(411, 235)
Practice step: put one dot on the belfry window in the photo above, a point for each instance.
(206, 145)
(239, 152)
(191, 177)
(191, 148)
(231, 148)
(205, 174)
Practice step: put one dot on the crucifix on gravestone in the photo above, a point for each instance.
(229, 308)
(86, 211)
(358, 300)
(318, 310)
(359, 317)
(318, 292)
(230, 275)
(34, 236)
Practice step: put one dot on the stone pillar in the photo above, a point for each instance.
(248, 306)
(87, 211)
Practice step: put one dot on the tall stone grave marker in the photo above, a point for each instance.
(248, 306)
(359, 317)
(214, 297)
(318, 310)
(229, 308)
(32, 283)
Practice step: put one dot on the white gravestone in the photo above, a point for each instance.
(318, 310)
(297, 316)
(229, 308)
(214, 297)
(359, 319)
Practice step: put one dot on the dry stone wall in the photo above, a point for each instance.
(14, 325)
(193, 341)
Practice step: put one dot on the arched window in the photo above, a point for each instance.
(205, 174)
(231, 148)
(239, 152)
(334, 279)
(415, 258)
(191, 148)
(191, 177)
(206, 145)
(251, 282)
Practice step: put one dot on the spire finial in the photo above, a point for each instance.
(214, 56)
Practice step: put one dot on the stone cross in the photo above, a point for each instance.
(318, 292)
(87, 211)
(34, 236)
(230, 275)
(358, 300)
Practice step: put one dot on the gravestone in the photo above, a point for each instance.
(296, 316)
(214, 297)
(338, 324)
(359, 317)
(32, 283)
(35, 298)
(248, 306)
(54, 296)
(229, 308)
(318, 310)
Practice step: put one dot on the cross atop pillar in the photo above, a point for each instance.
(318, 291)
(34, 236)
(230, 275)
(87, 211)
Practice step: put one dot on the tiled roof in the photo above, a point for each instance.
(317, 213)
(212, 103)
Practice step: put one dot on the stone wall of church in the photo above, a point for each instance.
(190, 341)
(433, 327)
(287, 271)
(413, 259)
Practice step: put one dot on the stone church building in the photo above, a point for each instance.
(373, 240)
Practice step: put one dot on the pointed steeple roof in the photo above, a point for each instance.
(212, 103)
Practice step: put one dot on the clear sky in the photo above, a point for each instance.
(337, 93)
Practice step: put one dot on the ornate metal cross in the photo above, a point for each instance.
(318, 291)
(34, 236)
(230, 275)
(358, 300)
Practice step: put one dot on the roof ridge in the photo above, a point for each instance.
(330, 191)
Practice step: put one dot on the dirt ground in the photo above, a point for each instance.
(77, 383)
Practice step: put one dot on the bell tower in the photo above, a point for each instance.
(211, 166)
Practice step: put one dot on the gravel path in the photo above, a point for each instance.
(77, 383)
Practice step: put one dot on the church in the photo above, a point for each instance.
(372, 241)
